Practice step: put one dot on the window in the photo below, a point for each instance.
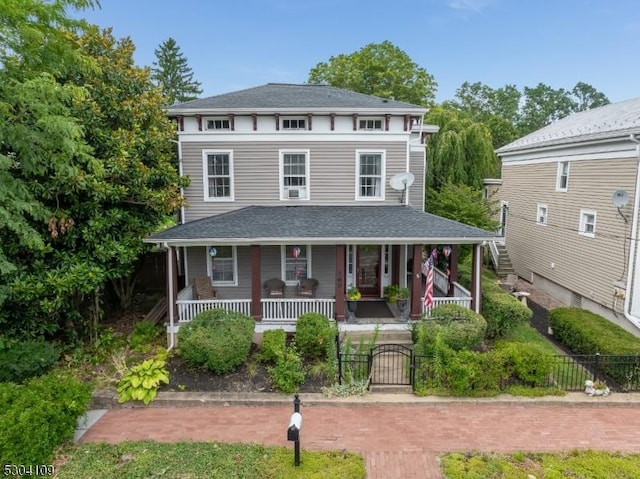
(217, 124)
(294, 175)
(370, 176)
(370, 124)
(541, 218)
(563, 176)
(296, 263)
(223, 268)
(587, 223)
(294, 124)
(218, 175)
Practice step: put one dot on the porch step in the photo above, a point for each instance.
(391, 389)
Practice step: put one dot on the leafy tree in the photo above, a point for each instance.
(542, 105)
(172, 72)
(380, 69)
(460, 153)
(587, 97)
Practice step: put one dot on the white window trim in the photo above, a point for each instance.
(581, 229)
(283, 268)
(298, 118)
(205, 175)
(371, 118)
(383, 179)
(559, 175)
(284, 196)
(546, 215)
(234, 252)
(206, 120)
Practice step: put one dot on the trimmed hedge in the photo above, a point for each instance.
(39, 416)
(22, 360)
(217, 340)
(274, 342)
(501, 310)
(528, 363)
(585, 332)
(459, 327)
(313, 336)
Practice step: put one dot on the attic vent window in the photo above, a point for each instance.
(217, 124)
(370, 124)
(294, 124)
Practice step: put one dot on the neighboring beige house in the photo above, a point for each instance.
(570, 210)
(296, 182)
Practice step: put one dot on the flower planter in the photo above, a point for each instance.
(352, 307)
(402, 305)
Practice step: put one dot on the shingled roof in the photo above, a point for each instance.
(323, 225)
(616, 120)
(283, 96)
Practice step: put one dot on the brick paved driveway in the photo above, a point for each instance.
(398, 441)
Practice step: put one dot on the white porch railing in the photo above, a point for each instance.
(189, 309)
(465, 302)
(291, 309)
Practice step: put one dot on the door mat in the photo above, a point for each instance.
(373, 309)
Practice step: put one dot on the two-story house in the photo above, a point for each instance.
(570, 195)
(290, 182)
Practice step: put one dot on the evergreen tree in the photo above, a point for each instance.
(173, 74)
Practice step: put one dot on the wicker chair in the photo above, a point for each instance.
(274, 287)
(204, 290)
(307, 287)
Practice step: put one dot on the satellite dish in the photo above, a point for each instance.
(402, 181)
(620, 198)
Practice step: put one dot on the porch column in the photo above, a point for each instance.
(340, 279)
(256, 283)
(395, 261)
(172, 293)
(416, 283)
(453, 268)
(476, 276)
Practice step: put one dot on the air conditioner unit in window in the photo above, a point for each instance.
(296, 193)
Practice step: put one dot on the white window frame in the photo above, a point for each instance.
(561, 175)
(542, 215)
(383, 167)
(296, 119)
(284, 190)
(223, 122)
(234, 254)
(283, 263)
(205, 175)
(370, 123)
(583, 223)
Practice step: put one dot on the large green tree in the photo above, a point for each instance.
(85, 165)
(171, 71)
(380, 69)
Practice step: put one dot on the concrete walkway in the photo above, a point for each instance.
(400, 435)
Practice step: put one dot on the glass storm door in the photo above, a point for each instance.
(368, 270)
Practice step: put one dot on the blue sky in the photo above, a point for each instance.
(238, 44)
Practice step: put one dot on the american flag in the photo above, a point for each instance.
(428, 293)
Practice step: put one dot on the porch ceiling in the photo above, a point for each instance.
(265, 225)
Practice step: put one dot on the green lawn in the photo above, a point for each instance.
(148, 459)
(573, 465)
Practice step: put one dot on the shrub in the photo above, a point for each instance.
(461, 328)
(526, 362)
(313, 336)
(273, 345)
(585, 332)
(144, 333)
(288, 373)
(501, 310)
(37, 417)
(21, 360)
(216, 340)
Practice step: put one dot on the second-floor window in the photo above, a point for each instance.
(217, 124)
(563, 176)
(218, 175)
(294, 174)
(370, 175)
(370, 124)
(294, 124)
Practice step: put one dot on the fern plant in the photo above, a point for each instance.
(141, 382)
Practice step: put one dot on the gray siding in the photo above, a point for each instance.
(256, 173)
(587, 266)
(323, 268)
(417, 166)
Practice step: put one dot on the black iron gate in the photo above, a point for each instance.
(391, 364)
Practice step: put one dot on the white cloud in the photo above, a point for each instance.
(470, 5)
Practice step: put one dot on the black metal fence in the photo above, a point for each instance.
(569, 373)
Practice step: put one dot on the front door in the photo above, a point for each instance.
(368, 270)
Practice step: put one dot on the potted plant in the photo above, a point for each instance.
(402, 300)
(353, 295)
(390, 293)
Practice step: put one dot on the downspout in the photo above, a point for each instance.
(633, 245)
(170, 298)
